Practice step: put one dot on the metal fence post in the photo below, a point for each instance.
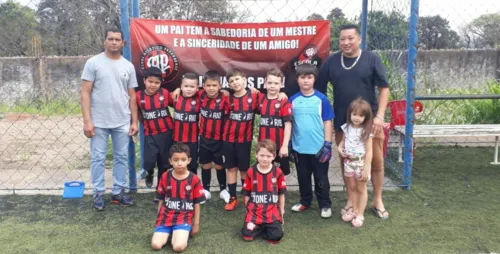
(364, 20)
(125, 27)
(410, 95)
(136, 13)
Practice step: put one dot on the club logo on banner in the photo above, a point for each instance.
(163, 58)
(178, 47)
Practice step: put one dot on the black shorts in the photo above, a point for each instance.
(284, 164)
(193, 153)
(156, 151)
(237, 155)
(271, 231)
(210, 151)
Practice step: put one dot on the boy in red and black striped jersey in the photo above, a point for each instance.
(264, 191)
(186, 115)
(180, 193)
(238, 131)
(152, 103)
(214, 108)
(276, 118)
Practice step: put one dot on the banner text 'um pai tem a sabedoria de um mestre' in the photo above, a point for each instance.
(178, 47)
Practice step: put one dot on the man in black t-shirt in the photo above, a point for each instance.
(355, 73)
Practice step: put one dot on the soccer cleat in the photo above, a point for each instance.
(299, 207)
(326, 213)
(98, 204)
(272, 241)
(121, 199)
(208, 196)
(231, 204)
(248, 238)
(224, 195)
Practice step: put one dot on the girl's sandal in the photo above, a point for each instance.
(349, 216)
(345, 210)
(358, 221)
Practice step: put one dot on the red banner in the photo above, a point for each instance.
(178, 47)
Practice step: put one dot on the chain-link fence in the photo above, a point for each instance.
(458, 57)
(45, 43)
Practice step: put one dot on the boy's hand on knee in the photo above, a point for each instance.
(195, 229)
(325, 154)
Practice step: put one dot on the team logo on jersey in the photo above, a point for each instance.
(188, 187)
(143, 101)
(217, 101)
(254, 181)
(169, 187)
(273, 180)
(249, 100)
(162, 57)
(277, 105)
(193, 103)
(161, 98)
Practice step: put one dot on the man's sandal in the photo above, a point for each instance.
(358, 221)
(381, 214)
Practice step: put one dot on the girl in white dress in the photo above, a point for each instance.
(356, 149)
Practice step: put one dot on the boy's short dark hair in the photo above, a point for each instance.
(152, 72)
(267, 144)
(179, 148)
(112, 30)
(306, 69)
(190, 75)
(235, 72)
(275, 72)
(350, 26)
(211, 75)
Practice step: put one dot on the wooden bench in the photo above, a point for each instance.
(430, 131)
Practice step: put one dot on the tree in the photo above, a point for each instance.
(315, 16)
(484, 31)
(199, 10)
(434, 32)
(74, 27)
(17, 28)
(387, 30)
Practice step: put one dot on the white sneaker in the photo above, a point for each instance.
(299, 207)
(224, 195)
(208, 196)
(326, 213)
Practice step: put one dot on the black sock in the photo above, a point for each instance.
(232, 190)
(221, 177)
(206, 177)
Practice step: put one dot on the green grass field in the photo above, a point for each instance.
(452, 208)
